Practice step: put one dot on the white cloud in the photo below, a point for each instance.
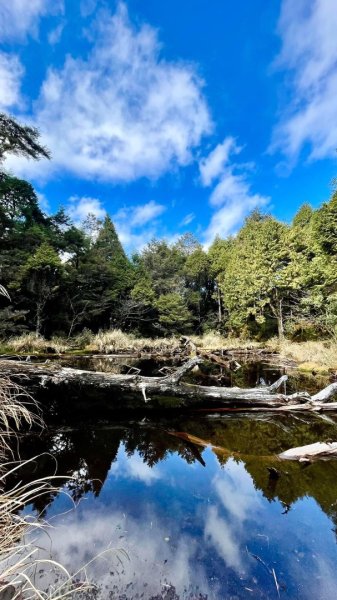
(232, 194)
(11, 72)
(137, 225)
(43, 202)
(123, 112)
(79, 208)
(55, 35)
(147, 552)
(309, 50)
(187, 219)
(145, 213)
(21, 17)
(213, 165)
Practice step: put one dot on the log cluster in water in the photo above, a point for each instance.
(170, 391)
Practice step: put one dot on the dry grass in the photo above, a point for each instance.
(215, 341)
(312, 355)
(309, 355)
(115, 340)
(19, 552)
(13, 412)
(29, 342)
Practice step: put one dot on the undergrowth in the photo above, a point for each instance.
(308, 354)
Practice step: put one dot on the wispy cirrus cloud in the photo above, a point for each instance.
(122, 112)
(19, 18)
(309, 54)
(187, 219)
(231, 195)
(87, 7)
(54, 36)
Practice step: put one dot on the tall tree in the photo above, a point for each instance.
(218, 254)
(101, 279)
(40, 278)
(258, 282)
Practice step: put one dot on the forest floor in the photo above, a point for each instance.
(311, 356)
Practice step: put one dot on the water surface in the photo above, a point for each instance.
(192, 522)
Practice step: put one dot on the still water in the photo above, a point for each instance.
(191, 522)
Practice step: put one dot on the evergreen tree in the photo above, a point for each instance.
(20, 140)
(174, 316)
(258, 282)
(39, 280)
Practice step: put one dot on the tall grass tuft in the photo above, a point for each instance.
(115, 340)
(310, 355)
(19, 552)
(30, 342)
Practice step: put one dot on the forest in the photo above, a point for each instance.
(271, 278)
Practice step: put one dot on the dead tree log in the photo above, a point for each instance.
(145, 391)
(222, 361)
(311, 452)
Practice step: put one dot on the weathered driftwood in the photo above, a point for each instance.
(325, 394)
(319, 450)
(146, 390)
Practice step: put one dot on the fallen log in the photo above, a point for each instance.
(226, 362)
(136, 391)
(311, 452)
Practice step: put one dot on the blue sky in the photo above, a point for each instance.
(174, 116)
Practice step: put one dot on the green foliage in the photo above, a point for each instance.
(39, 279)
(20, 140)
(325, 226)
(174, 315)
(143, 291)
(44, 259)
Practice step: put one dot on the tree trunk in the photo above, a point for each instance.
(38, 326)
(277, 310)
(280, 321)
(219, 304)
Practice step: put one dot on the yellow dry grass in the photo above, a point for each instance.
(19, 553)
(311, 355)
(29, 342)
(115, 340)
(215, 341)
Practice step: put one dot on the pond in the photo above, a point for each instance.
(185, 521)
